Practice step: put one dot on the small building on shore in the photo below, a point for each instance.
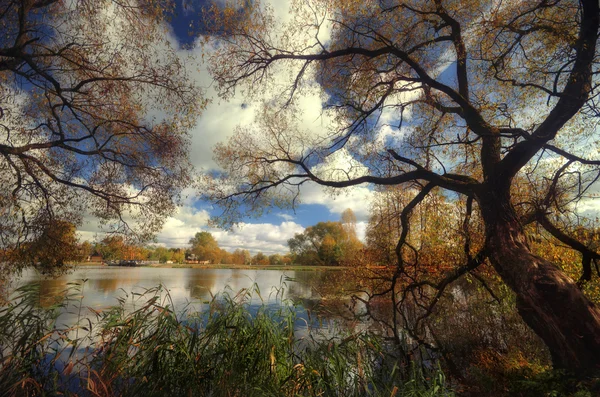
(94, 257)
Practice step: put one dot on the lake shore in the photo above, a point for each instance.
(225, 266)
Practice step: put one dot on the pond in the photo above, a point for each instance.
(190, 288)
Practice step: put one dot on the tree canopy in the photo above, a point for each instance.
(494, 103)
(327, 243)
(205, 247)
(112, 248)
(94, 108)
(319, 244)
(50, 251)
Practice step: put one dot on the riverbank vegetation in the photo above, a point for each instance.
(144, 346)
(327, 243)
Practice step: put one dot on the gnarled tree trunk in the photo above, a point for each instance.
(549, 301)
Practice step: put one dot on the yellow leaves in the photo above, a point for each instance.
(95, 74)
(568, 259)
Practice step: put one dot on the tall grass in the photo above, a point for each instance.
(231, 349)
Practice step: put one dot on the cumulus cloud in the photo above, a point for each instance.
(181, 227)
(265, 237)
(361, 230)
(219, 120)
(340, 166)
(286, 217)
(356, 198)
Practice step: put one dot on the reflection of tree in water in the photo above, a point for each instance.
(324, 294)
(112, 282)
(200, 284)
(312, 284)
(106, 284)
(51, 291)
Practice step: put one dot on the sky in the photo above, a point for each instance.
(269, 233)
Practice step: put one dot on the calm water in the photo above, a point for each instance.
(190, 289)
(186, 287)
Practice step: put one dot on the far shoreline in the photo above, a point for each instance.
(221, 266)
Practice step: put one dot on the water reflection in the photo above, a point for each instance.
(192, 288)
(52, 292)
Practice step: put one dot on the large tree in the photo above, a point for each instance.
(205, 247)
(325, 243)
(112, 248)
(50, 251)
(94, 105)
(473, 98)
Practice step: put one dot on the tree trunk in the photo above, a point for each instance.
(547, 300)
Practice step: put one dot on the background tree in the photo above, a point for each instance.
(94, 108)
(287, 259)
(435, 227)
(351, 245)
(471, 98)
(112, 248)
(205, 247)
(348, 221)
(276, 260)
(161, 254)
(178, 255)
(86, 249)
(326, 243)
(384, 226)
(247, 257)
(238, 257)
(260, 259)
(226, 257)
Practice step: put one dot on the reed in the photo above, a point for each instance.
(233, 348)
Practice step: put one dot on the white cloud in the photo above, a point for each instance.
(361, 230)
(265, 237)
(220, 118)
(340, 166)
(181, 227)
(357, 198)
(178, 229)
(286, 217)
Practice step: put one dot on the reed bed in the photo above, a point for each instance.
(145, 347)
